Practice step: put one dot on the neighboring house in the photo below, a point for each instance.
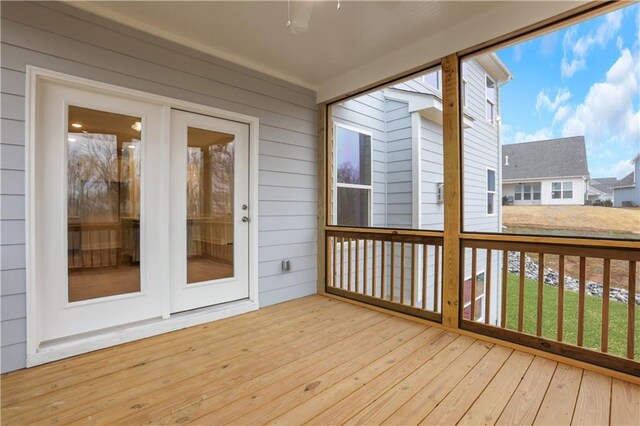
(601, 189)
(547, 172)
(626, 192)
(389, 164)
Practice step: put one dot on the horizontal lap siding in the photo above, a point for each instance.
(61, 38)
(481, 150)
(367, 113)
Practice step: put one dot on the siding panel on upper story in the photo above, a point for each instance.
(59, 37)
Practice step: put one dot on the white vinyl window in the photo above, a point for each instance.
(527, 192)
(463, 93)
(491, 191)
(562, 190)
(353, 176)
(433, 79)
(491, 96)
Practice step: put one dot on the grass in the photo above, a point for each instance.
(572, 220)
(592, 320)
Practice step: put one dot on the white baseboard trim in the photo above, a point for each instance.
(100, 340)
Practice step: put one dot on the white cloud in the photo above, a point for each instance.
(622, 168)
(607, 113)
(577, 48)
(543, 100)
(539, 135)
(562, 113)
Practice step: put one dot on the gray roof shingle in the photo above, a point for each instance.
(628, 180)
(563, 157)
(604, 184)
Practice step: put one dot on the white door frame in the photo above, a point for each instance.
(36, 352)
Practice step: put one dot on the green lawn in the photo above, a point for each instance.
(592, 320)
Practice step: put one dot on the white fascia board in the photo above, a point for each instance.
(427, 105)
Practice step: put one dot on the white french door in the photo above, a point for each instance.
(137, 212)
(97, 190)
(209, 211)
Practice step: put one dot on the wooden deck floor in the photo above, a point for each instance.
(320, 361)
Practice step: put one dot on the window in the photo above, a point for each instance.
(491, 191)
(536, 191)
(463, 93)
(491, 94)
(562, 190)
(432, 79)
(353, 176)
(480, 281)
(527, 192)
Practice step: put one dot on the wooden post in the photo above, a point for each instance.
(452, 152)
(321, 158)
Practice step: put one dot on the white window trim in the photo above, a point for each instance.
(494, 192)
(482, 296)
(487, 100)
(562, 185)
(169, 322)
(463, 92)
(438, 80)
(334, 179)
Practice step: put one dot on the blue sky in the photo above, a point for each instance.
(582, 80)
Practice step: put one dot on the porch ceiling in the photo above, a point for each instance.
(330, 51)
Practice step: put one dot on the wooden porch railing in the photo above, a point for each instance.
(568, 299)
(387, 268)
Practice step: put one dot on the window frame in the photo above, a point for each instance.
(438, 80)
(494, 107)
(562, 189)
(494, 192)
(334, 179)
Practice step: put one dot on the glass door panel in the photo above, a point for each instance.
(210, 201)
(103, 203)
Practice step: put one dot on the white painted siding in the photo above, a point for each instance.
(61, 38)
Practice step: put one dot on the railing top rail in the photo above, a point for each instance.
(619, 253)
(380, 232)
(410, 238)
(554, 240)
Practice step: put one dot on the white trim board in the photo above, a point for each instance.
(107, 338)
(34, 349)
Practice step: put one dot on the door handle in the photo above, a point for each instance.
(245, 219)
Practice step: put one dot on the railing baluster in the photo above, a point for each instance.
(631, 311)
(505, 270)
(436, 279)
(425, 275)
(349, 265)
(581, 297)
(365, 249)
(402, 273)
(560, 297)
(393, 271)
(413, 275)
(540, 293)
(606, 283)
(487, 286)
(474, 270)
(383, 270)
(374, 270)
(357, 265)
(521, 292)
(342, 263)
(335, 256)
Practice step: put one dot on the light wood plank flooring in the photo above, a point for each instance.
(314, 360)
